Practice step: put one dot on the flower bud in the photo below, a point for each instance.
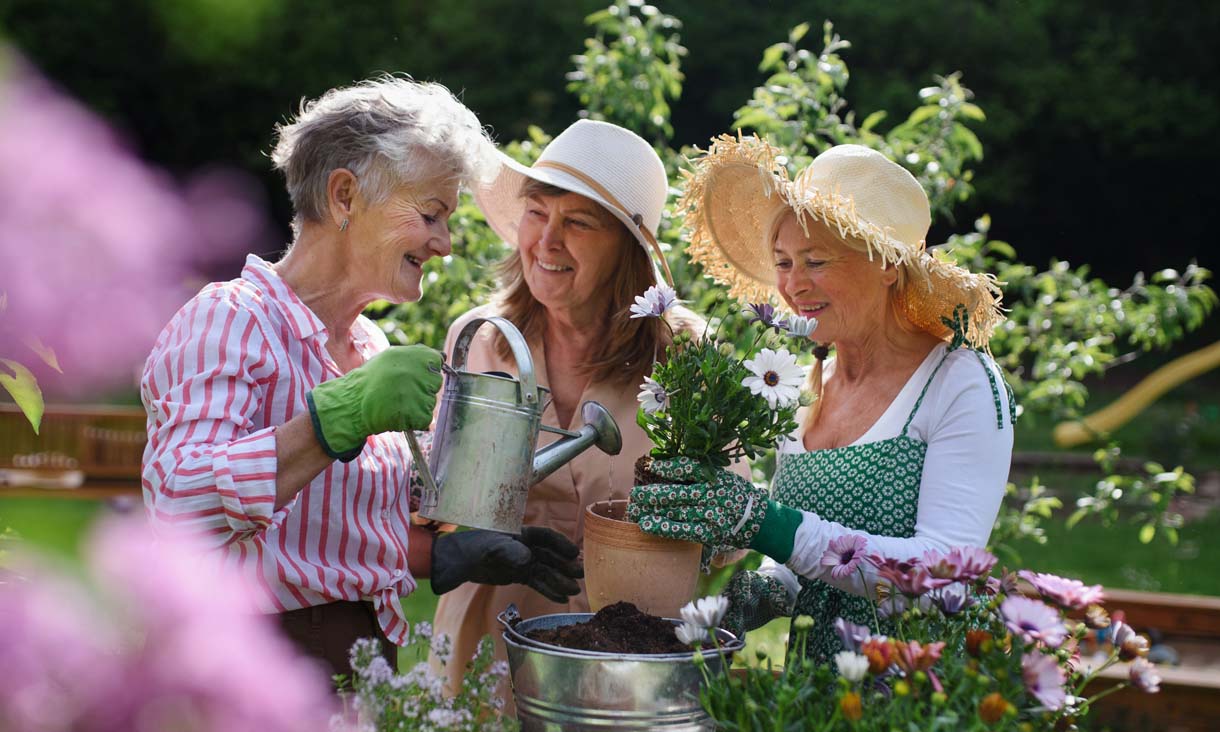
(992, 708)
(726, 350)
(902, 688)
(921, 678)
(850, 705)
(802, 624)
(939, 698)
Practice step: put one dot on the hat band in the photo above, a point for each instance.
(601, 191)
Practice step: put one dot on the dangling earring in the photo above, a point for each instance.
(343, 226)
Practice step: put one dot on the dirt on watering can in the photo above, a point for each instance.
(617, 628)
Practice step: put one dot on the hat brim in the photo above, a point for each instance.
(502, 204)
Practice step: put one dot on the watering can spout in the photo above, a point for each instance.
(599, 430)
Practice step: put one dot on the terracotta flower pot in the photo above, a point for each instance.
(622, 563)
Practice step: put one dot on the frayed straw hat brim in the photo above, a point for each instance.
(731, 197)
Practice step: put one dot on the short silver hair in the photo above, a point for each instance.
(389, 131)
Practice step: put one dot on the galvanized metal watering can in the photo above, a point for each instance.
(483, 459)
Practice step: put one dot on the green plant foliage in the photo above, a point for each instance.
(631, 80)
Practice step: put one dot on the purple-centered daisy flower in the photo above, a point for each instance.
(843, 554)
(1044, 679)
(852, 635)
(1069, 594)
(764, 313)
(1033, 620)
(953, 598)
(654, 302)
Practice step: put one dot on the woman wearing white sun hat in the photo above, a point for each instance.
(909, 440)
(582, 222)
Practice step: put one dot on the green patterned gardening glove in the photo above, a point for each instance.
(394, 391)
(755, 599)
(729, 511)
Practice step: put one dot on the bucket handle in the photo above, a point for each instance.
(516, 343)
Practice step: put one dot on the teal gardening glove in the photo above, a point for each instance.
(729, 511)
(394, 391)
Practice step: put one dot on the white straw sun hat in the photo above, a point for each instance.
(600, 161)
(734, 190)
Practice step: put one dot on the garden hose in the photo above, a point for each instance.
(1113, 416)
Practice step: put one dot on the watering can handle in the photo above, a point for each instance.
(516, 343)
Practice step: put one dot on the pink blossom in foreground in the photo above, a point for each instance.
(1144, 676)
(1033, 620)
(1069, 594)
(98, 249)
(843, 555)
(1044, 679)
(164, 641)
(959, 564)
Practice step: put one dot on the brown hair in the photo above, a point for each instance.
(627, 352)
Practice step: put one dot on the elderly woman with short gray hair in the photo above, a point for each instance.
(276, 410)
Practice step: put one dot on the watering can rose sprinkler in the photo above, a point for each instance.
(483, 458)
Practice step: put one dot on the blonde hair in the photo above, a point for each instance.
(813, 384)
(630, 346)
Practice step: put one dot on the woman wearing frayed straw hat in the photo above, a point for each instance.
(909, 439)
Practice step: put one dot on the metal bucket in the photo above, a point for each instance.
(483, 445)
(564, 690)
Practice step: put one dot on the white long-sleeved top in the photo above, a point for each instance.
(230, 367)
(965, 470)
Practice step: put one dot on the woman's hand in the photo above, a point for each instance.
(726, 511)
(394, 391)
(755, 599)
(539, 557)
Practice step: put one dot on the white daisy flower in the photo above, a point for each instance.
(654, 302)
(690, 634)
(777, 377)
(799, 326)
(852, 666)
(652, 397)
(706, 612)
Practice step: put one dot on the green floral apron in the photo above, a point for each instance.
(872, 488)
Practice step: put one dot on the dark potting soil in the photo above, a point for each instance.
(617, 628)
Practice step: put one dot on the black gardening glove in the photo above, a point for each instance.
(541, 558)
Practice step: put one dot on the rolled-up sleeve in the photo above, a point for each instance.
(207, 470)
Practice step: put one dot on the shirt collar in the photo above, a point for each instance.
(301, 319)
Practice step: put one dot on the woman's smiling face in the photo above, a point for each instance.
(398, 235)
(569, 247)
(821, 277)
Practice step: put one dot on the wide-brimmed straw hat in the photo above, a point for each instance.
(734, 192)
(606, 163)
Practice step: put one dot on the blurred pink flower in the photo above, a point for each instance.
(1069, 594)
(98, 248)
(1033, 620)
(166, 641)
(959, 564)
(908, 576)
(1144, 676)
(1044, 679)
(843, 554)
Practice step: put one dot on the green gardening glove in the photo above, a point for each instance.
(394, 391)
(754, 600)
(728, 512)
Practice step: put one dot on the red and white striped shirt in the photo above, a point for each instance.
(231, 365)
